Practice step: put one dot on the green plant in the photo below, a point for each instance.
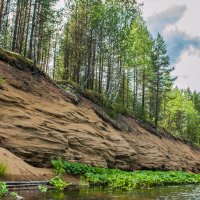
(58, 167)
(118, 179)
(3, 189)
(14, 194)
(58, 183)
(2, 169)
(2, 80)
(43, 188)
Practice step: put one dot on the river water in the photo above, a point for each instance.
(190, 192)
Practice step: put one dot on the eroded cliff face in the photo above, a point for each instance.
(39, 122)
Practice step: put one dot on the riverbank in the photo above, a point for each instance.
(18, 170)
(40, 121)
(76, 175)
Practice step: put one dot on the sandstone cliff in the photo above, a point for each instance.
(38, 122)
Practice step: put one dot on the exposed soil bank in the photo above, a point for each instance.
(17, 169)
(39, 122)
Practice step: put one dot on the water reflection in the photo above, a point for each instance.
(159, 193)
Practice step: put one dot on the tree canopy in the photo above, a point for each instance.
(103, 46)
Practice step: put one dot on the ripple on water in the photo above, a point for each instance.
(189, 192)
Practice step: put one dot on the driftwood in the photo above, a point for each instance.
(26, 184)
(32, 185)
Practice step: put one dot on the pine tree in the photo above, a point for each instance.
(161, 80)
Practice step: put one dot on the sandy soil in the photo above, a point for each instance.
(38, 122)
(16, 168)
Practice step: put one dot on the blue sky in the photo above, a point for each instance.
(178, 22)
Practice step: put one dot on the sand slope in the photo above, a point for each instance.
(39, 122)
(17, 169)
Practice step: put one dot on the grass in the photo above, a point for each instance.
(118, 179)
(20, 62)
(2, 169)
(1, 80)
(14, 58)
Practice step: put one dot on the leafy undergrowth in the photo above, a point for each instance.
(118, 179)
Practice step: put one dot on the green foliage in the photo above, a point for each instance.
(94, 97)
(78, 169)
(114, 109)
(119, 108)
(2, 81)
(58, 167)
(3, 189)
(180, 116)
(2, 169)
(107, 54)
(118, 179)
(140, 179)
(43, 188)
(58, 183)
(14, 194)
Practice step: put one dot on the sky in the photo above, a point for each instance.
(178, 22)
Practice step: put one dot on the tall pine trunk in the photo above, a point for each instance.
(14, 43)
(157, 103)
(1, 13)
(31, 45)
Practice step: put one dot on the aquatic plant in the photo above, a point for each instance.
(14, 194)
(58, 167)
(3, 189)
(118, 179)
(43, 188)
(58, 183)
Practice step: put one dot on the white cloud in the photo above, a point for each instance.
(188, 70)
(178, 42)
(160, 21)
(177, 21)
